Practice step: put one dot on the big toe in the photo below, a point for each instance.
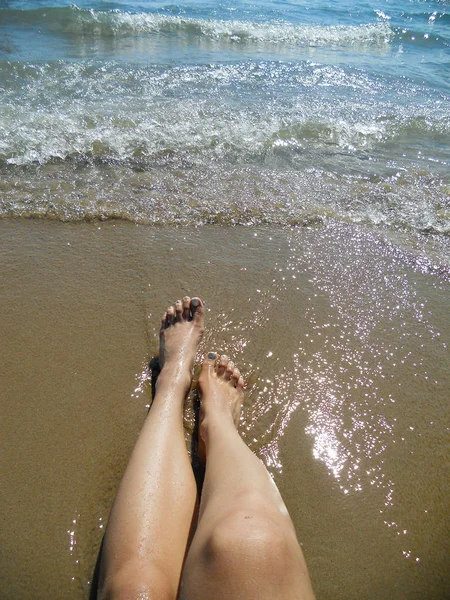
(197, 311)
(209, 362)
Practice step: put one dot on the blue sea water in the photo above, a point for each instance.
(234, 112)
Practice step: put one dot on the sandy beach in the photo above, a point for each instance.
(344, 342)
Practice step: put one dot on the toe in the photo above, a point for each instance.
(186, 307)
(197, 311)
(223, 362)
(229, 370)
(240, 384)
(178, 311)
(235, 376)
(163, 322)
(170, 315)
(209, 362)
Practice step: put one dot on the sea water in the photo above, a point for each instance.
(231, 112)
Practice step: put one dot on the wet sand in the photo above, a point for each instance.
(345, 344)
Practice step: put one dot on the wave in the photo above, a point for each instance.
(249, 195)
(105, 112)
(149, 140)
(423, 39)
(81, 22)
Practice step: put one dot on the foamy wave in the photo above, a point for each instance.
(78, 21)
(409, 200)
(172, 137)
(235, 31)
(197, 114)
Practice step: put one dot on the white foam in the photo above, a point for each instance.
(118, 23)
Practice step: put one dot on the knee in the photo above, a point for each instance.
(246, 537)
(131, 582)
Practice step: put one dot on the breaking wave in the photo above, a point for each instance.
(82, 22)
(146, 116)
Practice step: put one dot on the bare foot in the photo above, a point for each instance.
(221, 387)
(181, 330)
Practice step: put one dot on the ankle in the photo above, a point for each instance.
(213, 420)
(174, 376)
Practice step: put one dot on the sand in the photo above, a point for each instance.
(343, 338)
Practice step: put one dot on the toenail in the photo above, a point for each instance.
(211, 355)
(195, 302)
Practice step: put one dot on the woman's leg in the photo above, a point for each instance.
(245, 545)
(148, 529)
